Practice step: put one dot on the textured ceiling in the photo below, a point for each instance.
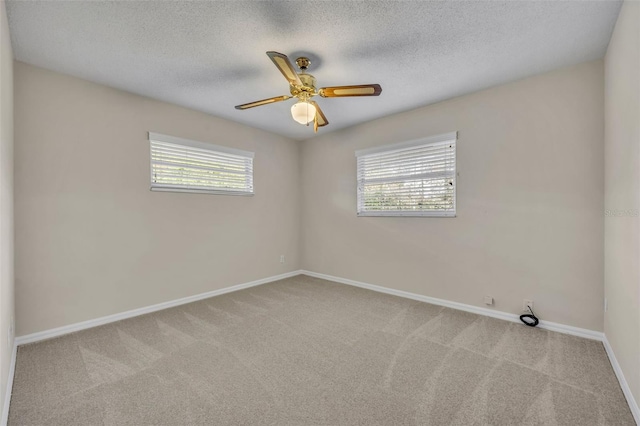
(210, 56)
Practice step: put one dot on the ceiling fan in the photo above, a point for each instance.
(303, 87)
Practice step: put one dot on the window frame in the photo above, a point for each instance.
(445, 137)
(189, 143)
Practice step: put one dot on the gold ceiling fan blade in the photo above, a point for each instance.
(320, 119)
(340, 91)
(263, 102)
(284, 65)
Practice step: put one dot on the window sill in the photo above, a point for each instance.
(406, 214)
(203, 191)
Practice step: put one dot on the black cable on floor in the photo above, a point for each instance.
(530, 320)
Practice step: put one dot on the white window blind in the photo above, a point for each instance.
(415, 178)
(184, 165)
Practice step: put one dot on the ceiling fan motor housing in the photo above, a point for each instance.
(308, 88)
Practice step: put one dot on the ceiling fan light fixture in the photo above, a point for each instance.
(303, 87)
(303, 112)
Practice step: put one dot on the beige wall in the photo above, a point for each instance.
(622, 193)
(6, 201)
(92, 240)
(530, 201)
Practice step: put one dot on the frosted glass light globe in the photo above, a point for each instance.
(303, 112)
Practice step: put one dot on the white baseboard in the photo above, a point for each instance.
(633, 405)
(7, 395)
(59, 331)
(71, 328)
(547, 325)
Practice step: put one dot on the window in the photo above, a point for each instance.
(184, 165)
(415, 178)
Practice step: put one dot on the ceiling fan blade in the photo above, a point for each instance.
(340, 91)
(284, 65)
(320, 119)
(263, 102)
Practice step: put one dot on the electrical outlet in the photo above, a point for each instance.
(488, 300)
(526, 303)
(282, 258)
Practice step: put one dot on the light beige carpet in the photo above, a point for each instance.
(305, 351)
